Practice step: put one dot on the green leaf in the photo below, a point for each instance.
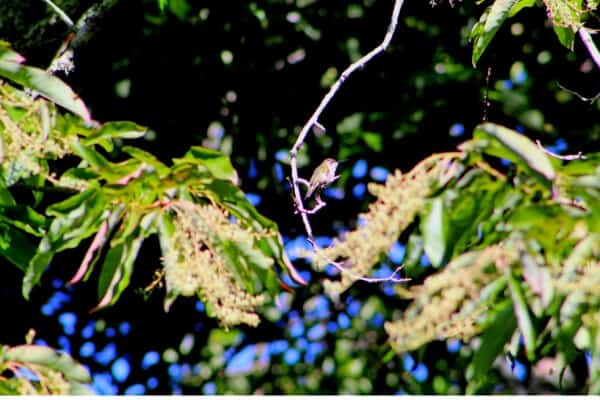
(16, 247)
(373, 140)
(496, 335)
(538, 278)
(434, 228)
(162, 4)
(216, 162)
(517, 148)
(233, 199)
(523, 317)
(98, 162)
(42, 82)
(77, 218)
(491, 20)
(24, 218)
(66, 206)
(129, 226)
(46, 356)
(6, 198)
(115, 130)
(10, 387)
(565, 36)
(118, 264)
(94, 251)
(37, 265)
(147, 158)
(8, 55)
(230, 251)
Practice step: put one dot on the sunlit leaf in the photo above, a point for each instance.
(117, 269)
(147, 158)
(491, 20)
(523, 316)
(519, 147)
(46, 356)
(115, 130)
(42, 82)
(216, 162)
(16, 247)
(496, 335)
(434, 228)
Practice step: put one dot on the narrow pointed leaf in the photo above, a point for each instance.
(115, 130)
(46, 356)
(44, 83)
(434, 228)
(523, 316)
(520, 149)
(493, 340)
(485, 29)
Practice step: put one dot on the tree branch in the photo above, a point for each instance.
(568, 157)
(61, 14)
(84, 29)
(314, 119)
(586, 38)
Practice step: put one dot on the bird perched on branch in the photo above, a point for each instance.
(322, 176)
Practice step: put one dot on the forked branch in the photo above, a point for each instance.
(313, 121)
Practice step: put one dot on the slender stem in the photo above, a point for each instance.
(61, 13)
(83, 31)
(314, 118)
(567, 157)
(586, 38)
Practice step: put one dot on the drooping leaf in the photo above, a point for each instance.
(216, 162)
(162, 4)
(16, 247)
(524, 321)
(147, 158)
(94, 251)
(36, 267)
(118, 266)
(491, 20)
(99, 163)
(233, 199)
(517, 148)
(24, 218)
(76, 219)
(565, 36)
(46, 356)
(42, 82)
(115, 130)
(434, 228)
(496, 335)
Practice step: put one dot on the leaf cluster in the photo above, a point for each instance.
(193, 205)
(515, 248)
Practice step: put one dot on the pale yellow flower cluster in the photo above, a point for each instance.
(398, 201)
(195, 262)
(448, 303)
(27, 133)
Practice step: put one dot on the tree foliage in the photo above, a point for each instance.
(509, 229)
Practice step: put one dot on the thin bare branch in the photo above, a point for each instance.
(567, 157)
(84, 29)
(347, 271)
(391, 278)
(586, 38)
(314, 119)
(60, 13)
(591, 100)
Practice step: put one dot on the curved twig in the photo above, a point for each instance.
(586, 38)
(314, 118)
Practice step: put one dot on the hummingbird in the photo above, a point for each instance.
(322, 176)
